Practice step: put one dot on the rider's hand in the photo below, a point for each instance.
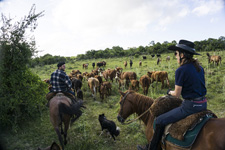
(168, 91)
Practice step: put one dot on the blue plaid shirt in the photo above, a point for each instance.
(60, 81)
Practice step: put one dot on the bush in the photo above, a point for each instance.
(136, 55)
(22, 93)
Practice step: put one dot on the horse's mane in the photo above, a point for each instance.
(143, 102)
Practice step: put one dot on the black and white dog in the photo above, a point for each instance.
(109, 125)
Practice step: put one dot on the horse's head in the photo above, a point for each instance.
(125, 107)
(54, 146)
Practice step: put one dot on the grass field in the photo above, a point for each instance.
(84, 134)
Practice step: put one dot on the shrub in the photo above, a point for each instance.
(21, 92)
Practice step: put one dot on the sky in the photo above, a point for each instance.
(72, 27)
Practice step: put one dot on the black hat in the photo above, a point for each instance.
(60, 64)
(184, 46)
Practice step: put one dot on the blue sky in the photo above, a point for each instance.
(71, 27)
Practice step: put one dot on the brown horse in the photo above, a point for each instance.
(211, 137)
(61, 110)
(214, 58)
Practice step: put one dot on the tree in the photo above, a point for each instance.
(22, 93)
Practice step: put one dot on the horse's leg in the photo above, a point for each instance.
(66, 126)
(162, 84)
(60, 137)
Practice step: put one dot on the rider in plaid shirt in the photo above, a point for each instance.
(60, 81)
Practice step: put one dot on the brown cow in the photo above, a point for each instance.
(48, 82)
(121, 84)
(145, 82)
(128, 76)
(125, 64)
(214, 58)
(85, 66)
(110, 73)
(80, 77)
(168, 58)
(93, 84)
(89, 75)
(134, 85)
(159, 76)
(119, 69)
(105, 89)
(95, 71)
(99, 78)
(75, 72)
(140, 63)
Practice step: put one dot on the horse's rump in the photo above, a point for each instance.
(50, 95)
(178, 129)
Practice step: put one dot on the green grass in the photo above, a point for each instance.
(84, 134)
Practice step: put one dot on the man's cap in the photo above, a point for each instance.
(60, 64)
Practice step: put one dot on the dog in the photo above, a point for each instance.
(109, 125)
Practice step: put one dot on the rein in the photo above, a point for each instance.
(133, 120)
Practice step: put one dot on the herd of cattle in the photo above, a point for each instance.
(100, 80)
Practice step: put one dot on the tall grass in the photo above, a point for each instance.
(84, 134)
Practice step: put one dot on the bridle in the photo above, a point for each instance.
(121, 110)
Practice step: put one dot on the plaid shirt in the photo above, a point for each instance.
(60, 81)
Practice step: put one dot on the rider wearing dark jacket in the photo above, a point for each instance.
(190, 83)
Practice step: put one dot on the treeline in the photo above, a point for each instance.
(153, 48)
(117, 51)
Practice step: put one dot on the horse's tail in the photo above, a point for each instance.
(70, 110)
(63, 108)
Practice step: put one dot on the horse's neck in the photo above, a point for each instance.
(142, 106)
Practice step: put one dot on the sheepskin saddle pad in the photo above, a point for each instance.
(178, 131)
(184, 132)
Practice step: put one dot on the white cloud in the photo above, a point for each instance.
(204, 7)
(71, 27)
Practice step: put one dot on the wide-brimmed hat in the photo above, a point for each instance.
(184, 46)
(60, 64)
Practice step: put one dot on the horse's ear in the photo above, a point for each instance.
(121, 93)
(55, 146)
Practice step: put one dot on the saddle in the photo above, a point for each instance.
(178, 129)
(50, 95)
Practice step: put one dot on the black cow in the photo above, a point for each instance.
(153, 55)
(99, 64)
(158, 55)
(93, 65)
(144, 57)
(76, 84)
